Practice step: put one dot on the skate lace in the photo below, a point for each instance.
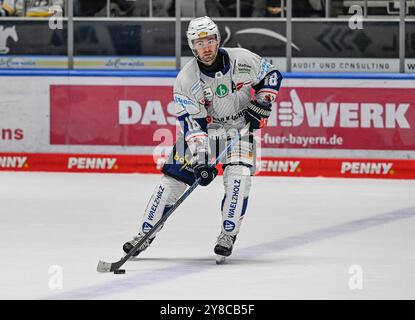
(225, 240)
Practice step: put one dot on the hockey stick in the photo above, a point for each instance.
(112, 266)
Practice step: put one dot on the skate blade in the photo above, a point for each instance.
(220, 259)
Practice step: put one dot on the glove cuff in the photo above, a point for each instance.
(200, 157)
(264, 111)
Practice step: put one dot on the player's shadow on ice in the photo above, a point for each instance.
(203, 260)
(280, 260)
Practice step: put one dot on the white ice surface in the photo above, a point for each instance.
(299, 239)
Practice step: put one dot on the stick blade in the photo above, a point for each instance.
(220, 259)
(104, 266)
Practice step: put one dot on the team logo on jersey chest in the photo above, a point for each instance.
(222, 90)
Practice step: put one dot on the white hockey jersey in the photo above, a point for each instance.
(220, 97)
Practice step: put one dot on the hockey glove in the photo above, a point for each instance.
(203, 170)
(257, 114)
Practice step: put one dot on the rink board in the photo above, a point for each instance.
(346, 126)
(266, 166)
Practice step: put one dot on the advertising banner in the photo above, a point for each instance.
(266, 166)
(110, 115)
(143, 44)
(337, 118)
(318, 127)
(342, 118)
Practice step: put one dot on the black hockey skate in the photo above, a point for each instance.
(223, 247)
(129, 245)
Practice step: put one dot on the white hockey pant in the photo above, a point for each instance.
(163, 198)
(237, 183)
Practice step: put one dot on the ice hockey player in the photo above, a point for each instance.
(212, 96)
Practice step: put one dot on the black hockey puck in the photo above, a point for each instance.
(119, 271)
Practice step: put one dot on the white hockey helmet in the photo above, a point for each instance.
(201, 28)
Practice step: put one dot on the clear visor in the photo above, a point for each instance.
(205, 42)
